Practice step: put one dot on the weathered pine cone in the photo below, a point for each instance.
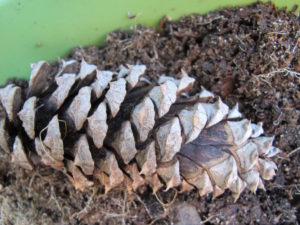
(117, 129)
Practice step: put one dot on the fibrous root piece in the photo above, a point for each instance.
(128, 137)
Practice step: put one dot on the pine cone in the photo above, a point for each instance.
(113, 127)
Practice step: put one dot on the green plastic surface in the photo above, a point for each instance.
(31, 30)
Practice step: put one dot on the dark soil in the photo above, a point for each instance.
(249, 55)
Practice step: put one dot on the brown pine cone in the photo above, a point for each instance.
(115, 127)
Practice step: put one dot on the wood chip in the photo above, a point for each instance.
(116, 95)
(83, 156)
(164, 96)
(97, 125)
(39, 76)
(146, 160)
(124, 143)
(27, 116)
(65, 83)
(103, 78)
(192, 121)
(80, 107)
(19, 156)
(143, 118)
(11, 99)
(53, 139)
(169, 139)
(134, 74)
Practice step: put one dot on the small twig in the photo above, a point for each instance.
(209, 219)
(166, 205)
(144, 204)
(210, 21)
(293, 152)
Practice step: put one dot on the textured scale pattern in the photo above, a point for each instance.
(116, 128)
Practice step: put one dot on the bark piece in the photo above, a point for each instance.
(134, 174)
(97, 125)
(80, 107)
(267, 169)
(38, 82)
(146, 160)
(19, 156)
(11, 99)
(108, 171)
(241, 130)
(170, 175)
(53, 139)
(46, 155)
(86, 70)
(124, 143)
(134, 74)
(163, 96)
(248, 156)
(101, 83)
(193, 121)
(79, 181)
(169, 139)
(143, 118)
(257, 129)
(64, 83)
(116, 95)
(27, 116)
(4, 136)
(83, 157)
(234, 112)
(215, 112)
